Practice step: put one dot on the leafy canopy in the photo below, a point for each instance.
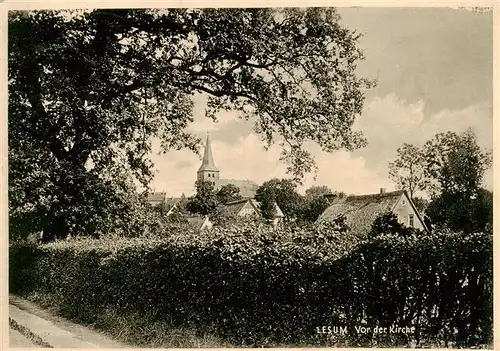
(408, 170)
(388, 223)
(451, 167)
(266, 196)
(456, 163)
(204, 202)
(90, 90)
(228, 193)
(284, 193)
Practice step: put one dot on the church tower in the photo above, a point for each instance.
(208, 171)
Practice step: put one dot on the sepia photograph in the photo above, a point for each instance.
(246, 177)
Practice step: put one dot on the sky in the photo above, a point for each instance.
(434, 68)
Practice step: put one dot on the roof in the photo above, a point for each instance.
(208, 164)
(361, 210)
(279, 213)
(247, 187)
(153, 197)
(196, 222)
(234, 207)
(171, 201)
(162, 197)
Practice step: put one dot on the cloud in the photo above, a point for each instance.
(390, 121)
(343, 171)
(387, 122)
(439, 55)
(203, 124)
(247, 159)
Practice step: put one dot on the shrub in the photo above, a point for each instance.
(263, 286)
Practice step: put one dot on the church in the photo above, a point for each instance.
(208, 171)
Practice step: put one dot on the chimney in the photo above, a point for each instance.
(382, 190)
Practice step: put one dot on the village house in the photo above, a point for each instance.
(250, 207)
(156, 199)
(208, 171)
(361, 210)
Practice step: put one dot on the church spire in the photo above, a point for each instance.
(208, 159)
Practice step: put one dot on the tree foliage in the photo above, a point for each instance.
(451, 166)
(458, 211)
(314, 208)
(285, 194)
(227, 193)
(387, 223)
(89, 90)
(266, 196)
(408, 170)
(314, 202)
(455, 163)
(204, 202)
(317, 191)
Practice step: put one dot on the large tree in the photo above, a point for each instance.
(317, 191)
(455, 163)
(408, 170)
(314, 203)
(285, 194)
(451, 167)
(227, 193)
(89, 90)
(204, 202)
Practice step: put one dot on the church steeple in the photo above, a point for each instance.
(208, 170)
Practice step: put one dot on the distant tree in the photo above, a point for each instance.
(483, 211)
(314, 203)
(317, 191)
(313, 208)
(266, 196)
(288, 199)
(205, 201)
(456, 165)
(222, 216)
(408, 170)
(459, 212)
(90, 90)
(420, 203)
(227, 193)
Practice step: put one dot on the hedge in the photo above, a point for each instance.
(260, 290)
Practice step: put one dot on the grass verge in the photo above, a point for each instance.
(29, 334)
(141, 331)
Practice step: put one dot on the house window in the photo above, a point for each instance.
(411, 220)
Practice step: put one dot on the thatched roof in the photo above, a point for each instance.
(360, 210)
